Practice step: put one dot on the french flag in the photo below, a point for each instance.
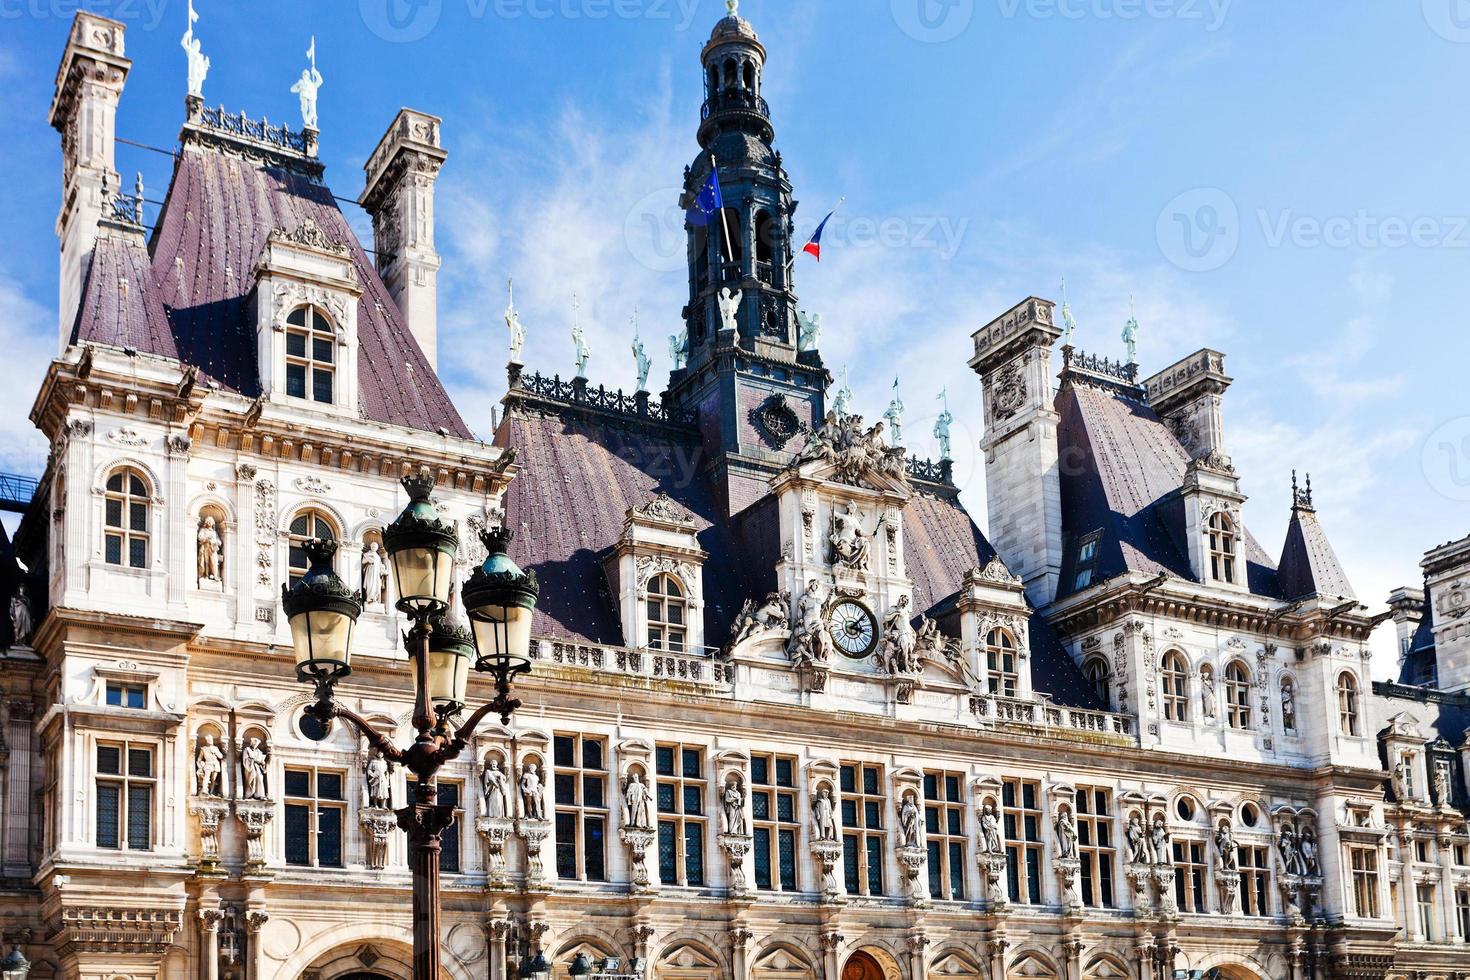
(813, 246)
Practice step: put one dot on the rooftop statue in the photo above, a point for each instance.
(579, 339)
(640, 359)
(307, 86)
(513, 324)
(198, 61)
(894, 417)
(941, 426)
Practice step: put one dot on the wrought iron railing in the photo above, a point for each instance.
(931, 471)
(239, 124)
(1077, 360)
(16, 491)
(735, 99)
(579, 392)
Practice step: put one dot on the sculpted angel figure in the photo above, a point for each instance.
(809, 330)
(729, 303)
(679, 348)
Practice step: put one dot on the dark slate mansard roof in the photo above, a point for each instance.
(188, 300)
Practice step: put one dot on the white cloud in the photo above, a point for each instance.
(27, 335)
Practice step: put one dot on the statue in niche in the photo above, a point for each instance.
(809, 330)
(1138, 841)
(1307, 844)
(254, 758)
(810, 642)
(376, 775)
(1291, 858)
(21, 623)
(729, 303)
(990, 838)
(1442, 793)
(374, 573)
(209, 768)
(636, 811)
(533, 801)
(1288, 706)
(1401, 781)
(1225, 843)
(910, 822)
(732, 808)
(1208, 701)
(1066, 835)
(495, 789)
(896, 654)
(1161, 843)
(824, 815)
(210, 552)
(848, 540)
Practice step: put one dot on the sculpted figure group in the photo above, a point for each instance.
(855, 452)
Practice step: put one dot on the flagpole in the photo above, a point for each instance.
(792, 260)
(724, 221)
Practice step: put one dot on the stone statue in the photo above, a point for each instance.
(732, 808)
(990, 839)
(640, 359)
(579, 340)
(1130, 337)
(843, 398)
(1442, 793)
(679, 348)
(533, 801)
(1066, 835)
(1225, 844)
(810, 642)
(848, 540)
(941, 427)
(495, 790)
(210, 552)
(824, 815)
(910, 823)
(373, 574)
(375, 774)
(894, 417)
(729, 303)
(897, 651)
(1069, 325)
(1307, 844)
(198, 62)
(513, 324)
(21, 623)
(1160, 842)
(1288, 706)
(1138, 843)
(753, 620)
(1208, 702)
(635, 804)
(809, 332)
(1401, 781)
(306, 87)
(209, 768)
(253, 761)
(1291, 858)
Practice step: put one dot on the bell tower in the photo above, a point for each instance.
(753, 387)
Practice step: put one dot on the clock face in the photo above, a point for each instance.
(854, 629)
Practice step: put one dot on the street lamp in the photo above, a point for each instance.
(500, 599)
(15, 966)
(534, 967)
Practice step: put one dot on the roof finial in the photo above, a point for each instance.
(198, 61)
(1068, 324)
(1130, 333)
(733, 6)
(1301, 497)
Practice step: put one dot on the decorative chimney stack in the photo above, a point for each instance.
(399, 194)
(1187, 397)
(84, 111)
(1447, 577)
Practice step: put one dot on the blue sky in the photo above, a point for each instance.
(1280, 181)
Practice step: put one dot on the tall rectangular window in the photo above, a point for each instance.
(127, 696)
(1363, 862)
(1462, 912)
(125, 781)
(1255, 880)
(1189, 875)
(1424, 899)
(863, 838)
(451, 794)
(316, 809)
(681, 815)
(775, 825)
(1095, 845)
(1022, 816)
(580, 777)
(944, 824)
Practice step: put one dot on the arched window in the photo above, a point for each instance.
(1222, 547)
(765, 243)
(305, 526)
(311, 355)
(1238, 696)
(749, 77)
(732, 249)
(1000, 663)
(1347, 703)
(730, 70)
(126, 537)
(667, 606)
(1175, 677)
(714, 82)
(1100, 678)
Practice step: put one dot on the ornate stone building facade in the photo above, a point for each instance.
(792, 717)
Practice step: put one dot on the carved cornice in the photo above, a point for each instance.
(112, 930)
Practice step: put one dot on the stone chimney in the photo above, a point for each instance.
(84, 111)
(1022, 485)
(399, 194)
(1447, 577)
(1407, 604)
(1187, 397)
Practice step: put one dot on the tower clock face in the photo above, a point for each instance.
(854, 629)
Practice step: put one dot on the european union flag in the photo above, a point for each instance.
(708, 202)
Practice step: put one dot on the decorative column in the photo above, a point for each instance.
(424, 821)
(209, 920)
(255, 921)
(917, 942)
(499, 929)
(997, 946)
(831, 941)
(740, 939)
(1143, 948)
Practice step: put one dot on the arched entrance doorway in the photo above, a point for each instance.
(364, 976)
(861, 966)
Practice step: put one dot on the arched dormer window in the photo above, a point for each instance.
(1000, 663)
(1100, 678)
(311, 355)
(714, 82)
(1175, 678)
(305, 526)
(750, 78)
(1347, 704)
(667, 606)
(127, 537)
(1238, 696)
(1222, 548)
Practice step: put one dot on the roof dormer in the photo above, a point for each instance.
(656, 572)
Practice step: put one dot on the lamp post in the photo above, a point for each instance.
(15, 966)
(499, 598)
